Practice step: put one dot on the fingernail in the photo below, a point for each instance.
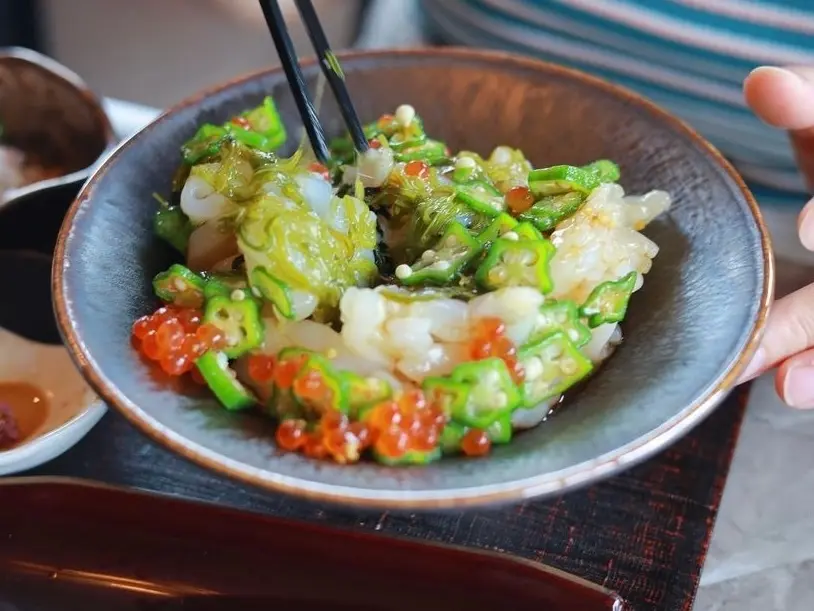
(755, 366)
(805, 225)
(798, 389)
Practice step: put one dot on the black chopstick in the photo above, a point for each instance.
(332, 72)
(288, 58)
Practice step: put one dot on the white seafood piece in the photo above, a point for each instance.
(201, 203)
(363, 314)
(449, 318)
(316, 193)
(531, 417)
(438, 360)
(604, 340)
(516, 306)
(601, 241)
(208, 245)
(373, 167)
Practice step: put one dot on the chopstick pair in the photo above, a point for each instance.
(330, 68)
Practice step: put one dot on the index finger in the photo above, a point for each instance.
(784, 98)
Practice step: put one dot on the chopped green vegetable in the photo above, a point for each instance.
(551, 366)
(222, 381)
(412, 457)
(364, 393)
(527, 231)
(483, 198)
(492, 393)
(607, 303)
(172, 225)
(180, 286)
(604, 170)
(456, 248)
(560, 179)
(273, 290)
(431, 152)
(516, 263)
(239, 321)
(555, 316)
(451, 437)
(500, 431)
(551, 210)
(319, 388)
(206, 143)
(223, 285)
(502, 224)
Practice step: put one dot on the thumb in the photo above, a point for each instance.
(789, 330)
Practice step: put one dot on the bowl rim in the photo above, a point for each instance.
(59, 71)
(511, 491)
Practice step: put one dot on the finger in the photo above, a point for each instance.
(784, 98)
(789, 330)
(795, 380)
(805, 226)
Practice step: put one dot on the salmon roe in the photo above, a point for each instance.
(241, 122)
(519, 199)
(174, 338)
(417, 168)
(318, 168)
(334, 437)
(476, 443)
(261, 368)
(374, 143)
(406, 424)
(489, 340)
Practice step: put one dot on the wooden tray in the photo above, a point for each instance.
(69, 545)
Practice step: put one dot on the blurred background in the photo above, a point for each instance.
(689, 56)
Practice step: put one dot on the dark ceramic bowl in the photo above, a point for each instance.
(49, 113)
(690, 331)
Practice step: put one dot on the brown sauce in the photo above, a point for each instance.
(23, 411)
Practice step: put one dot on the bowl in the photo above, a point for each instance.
(49, 113)
(689, 333)
(52, 404)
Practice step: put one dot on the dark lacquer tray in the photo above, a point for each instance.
(68, 545)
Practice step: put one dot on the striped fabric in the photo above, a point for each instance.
(689, 56)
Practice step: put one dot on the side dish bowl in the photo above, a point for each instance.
(689, 332)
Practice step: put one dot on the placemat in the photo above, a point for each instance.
(643, 533)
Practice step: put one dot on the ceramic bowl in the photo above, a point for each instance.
(53, 405)
(689, 332)
(49, 113)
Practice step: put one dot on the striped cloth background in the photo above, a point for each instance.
(689, 56)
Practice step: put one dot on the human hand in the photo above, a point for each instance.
(784, 98)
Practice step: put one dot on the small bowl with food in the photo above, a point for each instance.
(531, 280)
(52, 130)
(52, 127)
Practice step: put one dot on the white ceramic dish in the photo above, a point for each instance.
(73, 407)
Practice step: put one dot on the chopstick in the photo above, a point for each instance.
(330, 68)
(333, 73)
(288, 58)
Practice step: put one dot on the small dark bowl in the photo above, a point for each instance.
(689, 334)
(49, 113)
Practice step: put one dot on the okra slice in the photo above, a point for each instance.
(607, 303)
(551, 366)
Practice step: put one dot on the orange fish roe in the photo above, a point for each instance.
(519, 199)
(261, 368)
(476, 443)
(417, 168)
(489, 340)
(406, 424)
(175, 338)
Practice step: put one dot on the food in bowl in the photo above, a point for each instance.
(19, 170)
(406, 303)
